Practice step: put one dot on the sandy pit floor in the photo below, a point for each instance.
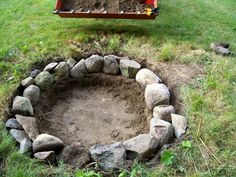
(97, 109)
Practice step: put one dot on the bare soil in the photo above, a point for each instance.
(96, 109)
(104, 5)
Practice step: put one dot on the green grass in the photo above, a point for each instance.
(29, 33)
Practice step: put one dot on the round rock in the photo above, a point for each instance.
(22, 105)
(156, 94)
(71, 63)
(18, 135)
(110, 65)
(48, 156)
(75, 155)
(109, 157)
(161, 130)
(146, 76)
(45, 142)
(32, 93)
(34, 73)
(50, 66)
(129, 68)
(180, 125)
(61, 72)
(163, 112)
(27, 82)
(94, 63)
(143, 146)
(44, 80)
(25, 146)
(79, 70)
(13, 123)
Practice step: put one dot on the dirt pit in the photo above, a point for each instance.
(104, 5)
(98, 109)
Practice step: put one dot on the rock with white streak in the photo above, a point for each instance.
(79, 70)
(146, 76)
(129, 68)
(156, 94)
(32, 93)
(94, 63)
(180, 125)
(22, 105)
(163, 112)
(161, 130)
(143, 146)
(29, 124)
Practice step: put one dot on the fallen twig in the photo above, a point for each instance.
(212, 153)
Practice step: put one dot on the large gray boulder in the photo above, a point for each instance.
(18, 135)
(44, 80)
(22, 105)
(79, 70)
(129, 68)
(180, 125)
(29, 124)
(110, 65)
(25, 146)
(71, 63)
(13, 123)
(156, 94)
(143, 146)
(161, 130)
(50, 66)
(163, 112)
(45, 142)
(109, 157)
(146, 76)
(32, 93)
(47, 156)
(75, 155)
(27, 82)
(61, 72)
(94, 64)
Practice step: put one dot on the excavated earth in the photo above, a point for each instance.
(98, 109)
(104, 5)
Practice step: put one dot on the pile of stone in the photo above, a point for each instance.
(222, 49)
(163, 126)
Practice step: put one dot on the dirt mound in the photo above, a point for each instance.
(104, 5)
(96, 109)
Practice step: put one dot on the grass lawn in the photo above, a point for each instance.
(29, 33)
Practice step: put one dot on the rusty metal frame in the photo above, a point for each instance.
(78, 14)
